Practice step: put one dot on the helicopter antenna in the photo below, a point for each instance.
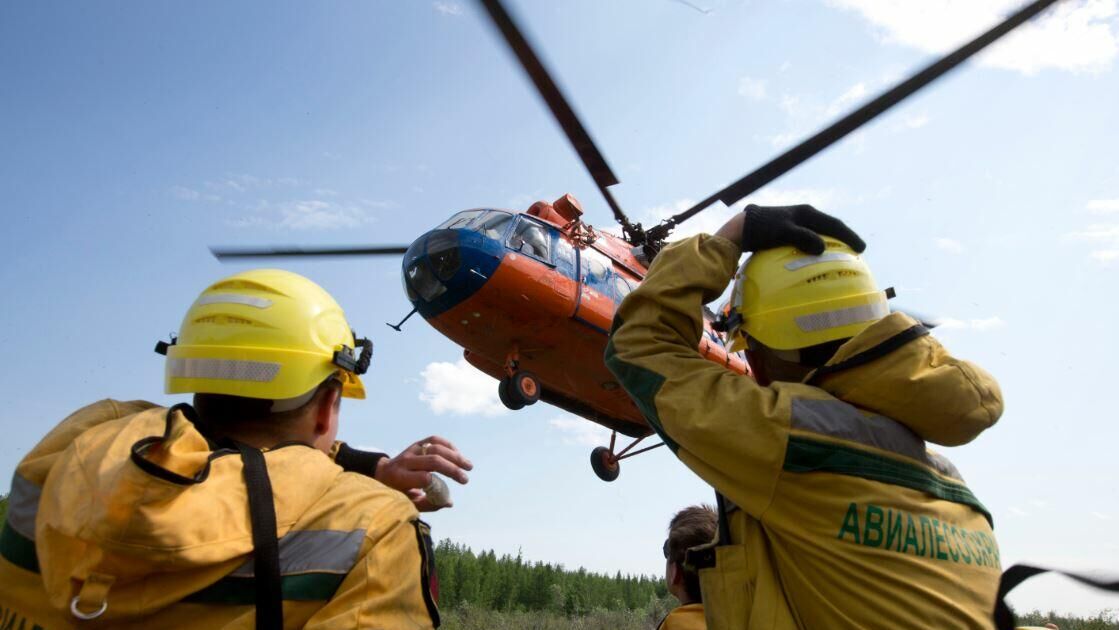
(577, 134)
(795, 156)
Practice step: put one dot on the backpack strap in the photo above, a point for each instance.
(266, 547)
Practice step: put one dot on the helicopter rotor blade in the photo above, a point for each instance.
(795, 156)
(289, 252)
(576, 133)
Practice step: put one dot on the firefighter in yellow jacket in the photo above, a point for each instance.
(833, 512)
(237, 512)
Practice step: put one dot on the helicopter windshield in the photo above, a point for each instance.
(460, 220)
(492, 223)
(532, 239)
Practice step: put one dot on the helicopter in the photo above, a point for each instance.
(530, 296)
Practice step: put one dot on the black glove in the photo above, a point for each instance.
(353, 460)
(767, 227)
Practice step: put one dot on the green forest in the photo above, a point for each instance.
(484, 591)
(509, 583)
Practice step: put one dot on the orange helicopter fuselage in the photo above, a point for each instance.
(537, 291)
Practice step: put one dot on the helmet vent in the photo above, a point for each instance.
(822, 276)
(235, 284)
(224, 319)
(847, 273)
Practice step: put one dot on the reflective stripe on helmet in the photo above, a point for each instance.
(843, 316)
(800, 263)
(224, 369)
(231, 298)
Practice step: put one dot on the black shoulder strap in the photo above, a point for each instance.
(1015, 575)
(877, 352)
(724, 519)
(266, 544)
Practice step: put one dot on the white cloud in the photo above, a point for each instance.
(1076, 35)
(580, 431)
(990, 323)
(846, 101)
(769, 196)
(1103, 206)
(369, 448)
(711, 219)
(784, 140)
(1101, 516)
(190, 194)
(459, 388)
(1100, 233)
(753, 89)
(1104, 236)
(950, 245)
(448, 8)
(913, 121)
(790, 104)
(306, 214)
(980, 325)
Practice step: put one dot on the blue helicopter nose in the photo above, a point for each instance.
(446, 266)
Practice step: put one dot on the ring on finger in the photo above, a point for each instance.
(424, 447)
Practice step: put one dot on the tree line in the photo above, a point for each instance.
(509, 583)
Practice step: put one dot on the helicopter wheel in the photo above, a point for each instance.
(508, 398)
(524, 387)
(604, 464)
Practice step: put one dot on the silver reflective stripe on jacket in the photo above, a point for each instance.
(23, 506)
(314, 551)
(838, 419)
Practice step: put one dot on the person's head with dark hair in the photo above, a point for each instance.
(690, 527)
(311, 418)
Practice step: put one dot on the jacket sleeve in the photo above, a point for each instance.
(388, 587)
(728, 429)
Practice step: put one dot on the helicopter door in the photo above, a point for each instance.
(595, 303)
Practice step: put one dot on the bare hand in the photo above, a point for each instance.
(410, 471)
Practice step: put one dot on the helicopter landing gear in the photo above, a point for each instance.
(605, 462)
(519, 388)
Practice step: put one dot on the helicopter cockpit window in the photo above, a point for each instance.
(460, 220)
(492, 224)
(622, 287)
(530, 238)
(596, 271)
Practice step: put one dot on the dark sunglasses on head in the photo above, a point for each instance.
(665, 549)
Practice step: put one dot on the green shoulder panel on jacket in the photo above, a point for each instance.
(641, 384)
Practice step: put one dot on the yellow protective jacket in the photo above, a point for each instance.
(173, 549)
(686, 617)
(839, 516)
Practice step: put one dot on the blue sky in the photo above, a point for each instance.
(134, 136)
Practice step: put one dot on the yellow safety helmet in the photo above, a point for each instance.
(265, 333)
(788, 300)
